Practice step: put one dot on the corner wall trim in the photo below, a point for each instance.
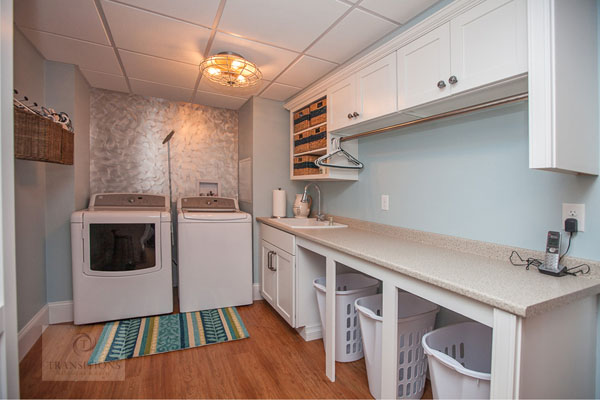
(256, 292)
(60, 311)
(32, 331)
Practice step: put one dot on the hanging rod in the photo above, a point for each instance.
(460, 111)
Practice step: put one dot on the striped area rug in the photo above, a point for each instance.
(138, 337)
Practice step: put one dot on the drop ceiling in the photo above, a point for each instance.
(154, 47)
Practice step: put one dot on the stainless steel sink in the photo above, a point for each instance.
(307, 223)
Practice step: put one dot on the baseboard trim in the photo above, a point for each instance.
(312, 332)
(256, 292)
(60, 311)
(32, 331)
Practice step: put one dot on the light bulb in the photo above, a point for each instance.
(241, 78)
(237, 65)
(214, 71)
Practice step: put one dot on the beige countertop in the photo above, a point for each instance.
(478, 270)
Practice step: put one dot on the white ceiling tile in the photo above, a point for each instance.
(212, 87)
(286, 23)
(159, 70)
(152, 89)
(305, 71)
(71, 51)
(399, 11)
(219, 100)
(279, 92)
(105, 81)
(355, 32)
(148, 33)
(74, 18)
(188, 10)
(270, 60)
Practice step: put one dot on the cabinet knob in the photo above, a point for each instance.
(355, 114)
(453, 79)
(441, 84)
(350, 116)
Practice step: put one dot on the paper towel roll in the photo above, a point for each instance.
(279, 203)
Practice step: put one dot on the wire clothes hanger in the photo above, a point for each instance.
(337, 149)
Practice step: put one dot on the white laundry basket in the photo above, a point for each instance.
(460, 359)
(348, 344)
(416, 317)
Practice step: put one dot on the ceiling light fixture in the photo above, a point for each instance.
(230, 69)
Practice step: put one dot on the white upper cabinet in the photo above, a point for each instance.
(423, 68)
(481, 46)
(376, 86)
(367, 94)
(488, 43)
(342, 103)
(563, 86)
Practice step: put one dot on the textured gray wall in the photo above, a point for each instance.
(127, 154)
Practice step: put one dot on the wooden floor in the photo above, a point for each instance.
(275, 362)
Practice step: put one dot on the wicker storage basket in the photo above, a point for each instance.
(302, 142)
(318, 138)
(301, 119)
(39, 139)
(305, 165)
(318, 112)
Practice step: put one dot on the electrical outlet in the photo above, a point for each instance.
(576, 211)
(385, 202)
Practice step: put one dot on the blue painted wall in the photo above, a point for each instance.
(467, 177)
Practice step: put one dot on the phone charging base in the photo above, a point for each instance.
(561, 272)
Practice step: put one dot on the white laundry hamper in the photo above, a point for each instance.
(416, 317)
(460, 359)
(349, 287)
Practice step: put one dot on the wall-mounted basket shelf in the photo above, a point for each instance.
(40, 139)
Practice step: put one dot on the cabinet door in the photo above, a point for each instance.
(424, 68)
(341, 104)
(377, 89)
(268, 277)
(286, 296)
(488, 44)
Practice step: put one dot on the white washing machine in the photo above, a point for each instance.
(121, 249)
(215, 253)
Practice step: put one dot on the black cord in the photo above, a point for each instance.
(524, 263)
(568, 247)
(580, 270)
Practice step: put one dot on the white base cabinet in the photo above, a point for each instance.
(277, 283)
(287, 288)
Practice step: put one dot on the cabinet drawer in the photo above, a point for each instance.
(281, 239)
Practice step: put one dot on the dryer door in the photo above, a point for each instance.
(121, 244)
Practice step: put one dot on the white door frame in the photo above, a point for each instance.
(9, 344)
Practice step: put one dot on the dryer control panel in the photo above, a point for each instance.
(208, 203)
(128, 200)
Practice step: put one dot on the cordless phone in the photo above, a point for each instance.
(552, 251)
(551, 263)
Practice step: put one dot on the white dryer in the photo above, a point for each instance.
(121, 249)
(215, 253)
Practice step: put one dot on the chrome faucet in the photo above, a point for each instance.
(320, 217)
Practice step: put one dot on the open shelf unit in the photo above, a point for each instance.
(310, 139)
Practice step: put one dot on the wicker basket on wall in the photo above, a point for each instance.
(39, 139)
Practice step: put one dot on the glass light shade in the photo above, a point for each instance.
(230, 69)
